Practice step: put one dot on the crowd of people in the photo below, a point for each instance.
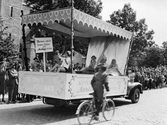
(61, 65)
(9, 72)
(9, 80)
(149, 77)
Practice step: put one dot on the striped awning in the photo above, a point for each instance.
(84, 24)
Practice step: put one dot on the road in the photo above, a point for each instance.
(150, 110)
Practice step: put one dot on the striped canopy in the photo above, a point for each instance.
(84, 25)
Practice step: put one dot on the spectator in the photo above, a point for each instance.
(2, 80)
(13, 77)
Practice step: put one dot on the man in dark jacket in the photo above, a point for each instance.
(13, 75)
(98, 82)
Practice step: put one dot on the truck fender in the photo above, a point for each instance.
(133, 86)
(85, 101)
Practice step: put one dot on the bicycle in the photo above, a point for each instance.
(86, 110)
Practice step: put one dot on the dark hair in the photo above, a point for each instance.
(35, 58)
(103, 67)
(93, 56)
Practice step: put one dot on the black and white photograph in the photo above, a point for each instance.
(83, 62)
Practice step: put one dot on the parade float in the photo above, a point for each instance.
(104, 39)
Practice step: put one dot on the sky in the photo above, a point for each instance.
(154, 11)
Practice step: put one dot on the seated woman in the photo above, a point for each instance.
(113, 69)
(57, 66)
(102, 63)
(63, 64)
(91, 68)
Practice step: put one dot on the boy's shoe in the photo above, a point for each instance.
(96, 118)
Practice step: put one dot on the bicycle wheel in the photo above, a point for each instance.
(108, 109)
(85, 113)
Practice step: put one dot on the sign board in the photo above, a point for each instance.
(44, 44)
(66, 86)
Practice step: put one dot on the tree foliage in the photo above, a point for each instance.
(7, 47)
(126, 19)
(91, 7)
(153, 57)
(164, 52)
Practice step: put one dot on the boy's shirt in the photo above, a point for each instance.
(98, 80)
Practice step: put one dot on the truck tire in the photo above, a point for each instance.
(135, 96)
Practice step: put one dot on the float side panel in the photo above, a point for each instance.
(78, 86)
(42, 84)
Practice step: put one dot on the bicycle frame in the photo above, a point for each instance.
(86, 101)
(91, 101)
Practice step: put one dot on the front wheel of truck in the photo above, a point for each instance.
(135, 96)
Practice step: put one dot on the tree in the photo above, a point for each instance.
(126, 19)
(164, 52)
(153, 57)
(7, 47)
(164, 44)
(91, 7)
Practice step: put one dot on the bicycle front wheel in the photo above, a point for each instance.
(85, 113)
(108, 109)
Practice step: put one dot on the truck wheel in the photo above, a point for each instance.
(135, 96)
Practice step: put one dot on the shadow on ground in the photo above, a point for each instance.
(120, 102)
(41, 114)
(36, 115)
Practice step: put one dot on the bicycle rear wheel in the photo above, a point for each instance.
(108, 109)
(85, 113)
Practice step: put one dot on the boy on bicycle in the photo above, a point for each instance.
(98, 82)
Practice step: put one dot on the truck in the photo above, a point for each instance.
(104, 39)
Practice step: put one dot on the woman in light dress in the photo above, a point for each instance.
(113, 69)
(91, 67)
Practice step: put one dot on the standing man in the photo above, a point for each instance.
(2, 80)
(13, 76)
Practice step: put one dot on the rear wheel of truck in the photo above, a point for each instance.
(135, 96)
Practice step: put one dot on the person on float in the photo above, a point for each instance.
(66, 62)
(113, 68)
(34, 64)
(63, 64)
(102, 62)
(91, 67)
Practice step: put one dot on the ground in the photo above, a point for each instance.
(150, 110)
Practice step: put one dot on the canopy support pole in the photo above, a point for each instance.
(72, 33)
(24, 43)
(127, 59)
